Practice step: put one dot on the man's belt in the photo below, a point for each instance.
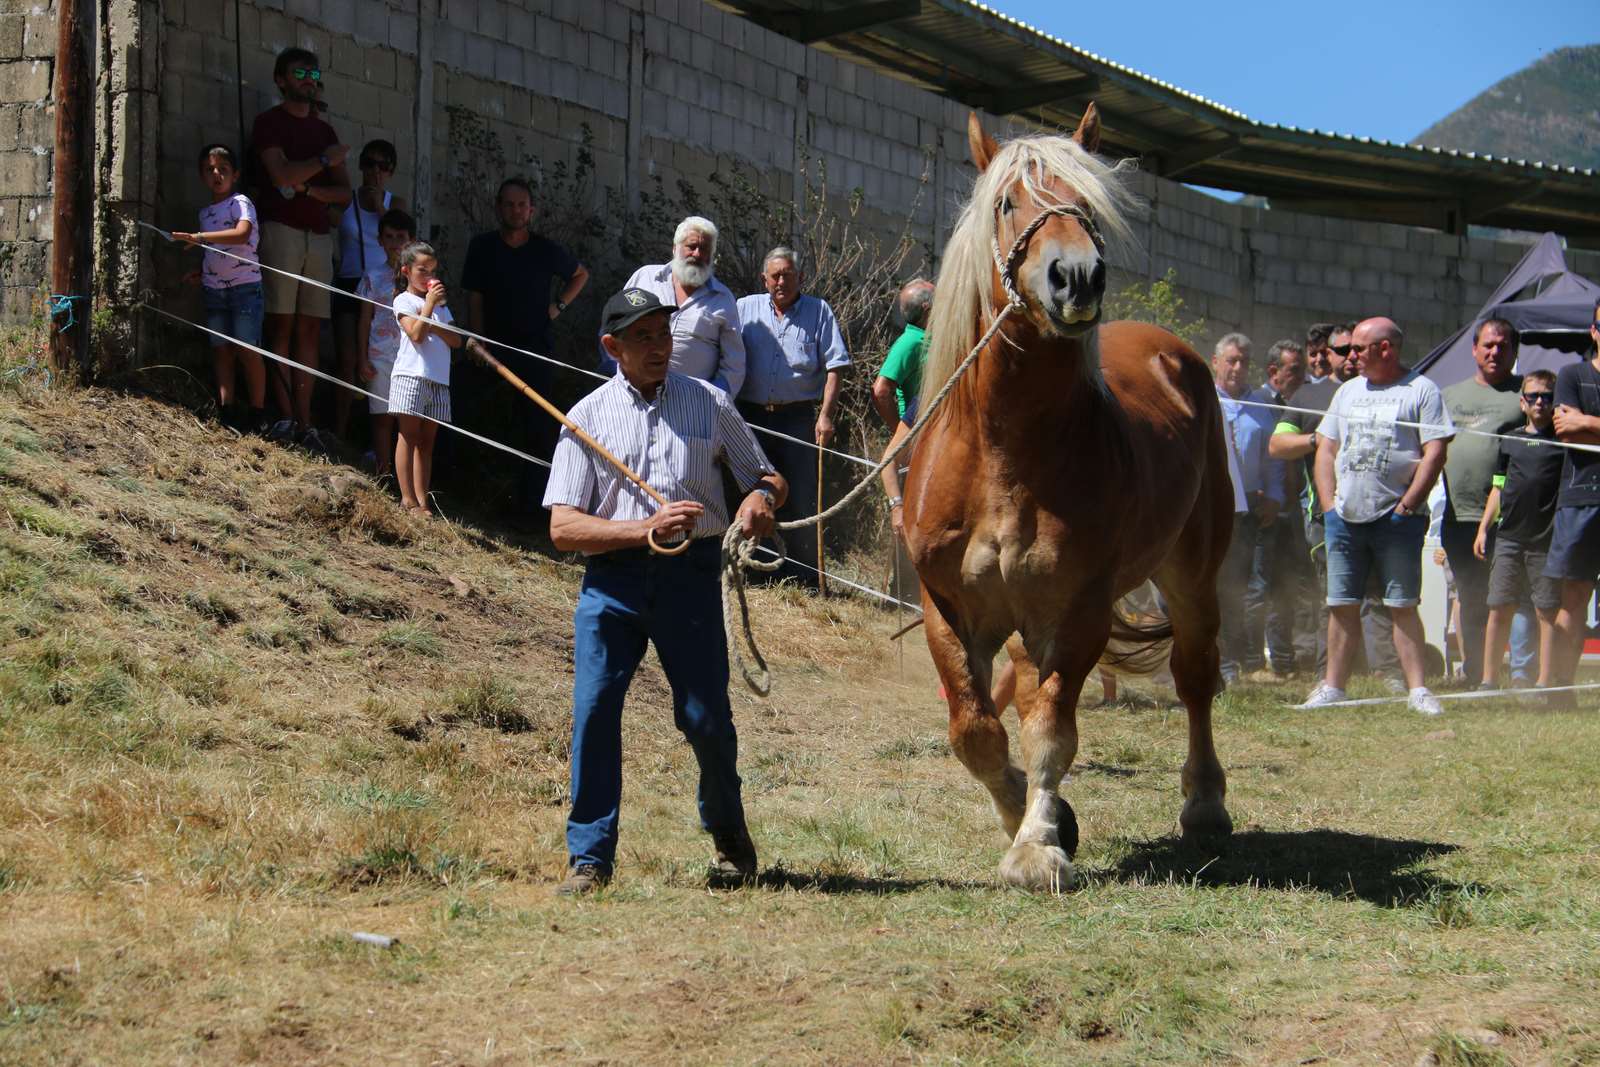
(769, 406)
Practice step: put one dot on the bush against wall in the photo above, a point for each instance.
(1157, 303)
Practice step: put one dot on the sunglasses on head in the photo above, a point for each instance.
(302, 73)
(1340, 350)
(1541, 397)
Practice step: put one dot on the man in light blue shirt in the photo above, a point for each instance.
(794, 357)
(1248, 430)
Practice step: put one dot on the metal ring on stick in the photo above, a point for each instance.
(478, 352)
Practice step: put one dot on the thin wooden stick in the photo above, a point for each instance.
(482, 354)
(822, 563)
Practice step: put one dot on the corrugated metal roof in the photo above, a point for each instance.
(985, 58)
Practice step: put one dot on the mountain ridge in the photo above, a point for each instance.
(1549, 111)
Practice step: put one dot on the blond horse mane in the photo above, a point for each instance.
(962, 303)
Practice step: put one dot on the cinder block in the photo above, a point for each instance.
(480, 56)
(507, 63)
(372, 21)
(491, 18)
(380, 66)
(395, 110)
(574, 46)
(24, 174)
(39, 34)
(520, 28)
(25, 81)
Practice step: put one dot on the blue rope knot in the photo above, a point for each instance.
(61, 304)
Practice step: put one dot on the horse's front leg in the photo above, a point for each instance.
(1041, 853)
(977, 736)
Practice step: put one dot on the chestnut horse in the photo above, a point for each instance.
(1073, 462)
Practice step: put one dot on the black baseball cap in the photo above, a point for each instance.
(628, 307)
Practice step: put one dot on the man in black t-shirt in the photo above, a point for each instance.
(1575, 542)
(509, 277)
(1523, 501)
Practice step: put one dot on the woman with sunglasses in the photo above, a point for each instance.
(359, 252)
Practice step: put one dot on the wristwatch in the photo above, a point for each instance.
(324, 160)
(772, 498)
(286, 191)
(895, 502)
(561, 305)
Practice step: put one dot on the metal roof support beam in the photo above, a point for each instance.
(1028, 97)
(1487, 203)
(809, 27)
(1170, 164)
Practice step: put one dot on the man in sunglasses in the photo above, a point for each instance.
(1327, 346)
(1380, 448)
(299, 164)
(1575, 543)
(1514, 534)
(1487, 402)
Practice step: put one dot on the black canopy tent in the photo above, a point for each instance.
(1550, 306)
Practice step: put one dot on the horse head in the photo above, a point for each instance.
(1048, 249)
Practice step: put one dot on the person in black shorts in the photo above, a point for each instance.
(1523, 500)
(1575, 542)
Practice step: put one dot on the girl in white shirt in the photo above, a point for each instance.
(419, 389)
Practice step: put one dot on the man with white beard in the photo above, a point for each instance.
(706, 342)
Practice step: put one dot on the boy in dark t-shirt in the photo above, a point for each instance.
(1523, 498)
(1575, 543)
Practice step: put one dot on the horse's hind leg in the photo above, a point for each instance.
(977, 736)
(1192, 607)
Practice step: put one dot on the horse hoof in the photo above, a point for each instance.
(1205, 823)
(1040, 867)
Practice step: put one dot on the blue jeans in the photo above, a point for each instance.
(1390, 545)
(236, 311)
(628, 599)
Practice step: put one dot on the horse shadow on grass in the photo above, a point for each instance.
(832, 883)
(1388, 872)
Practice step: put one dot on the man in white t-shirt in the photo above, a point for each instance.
(1380, 448)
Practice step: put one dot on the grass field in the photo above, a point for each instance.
(247, 708)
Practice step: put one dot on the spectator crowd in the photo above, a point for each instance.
(1347, 461)
(1344, 460)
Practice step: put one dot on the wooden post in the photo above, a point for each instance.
(67, 276)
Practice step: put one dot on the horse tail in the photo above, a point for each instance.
(1141, 639)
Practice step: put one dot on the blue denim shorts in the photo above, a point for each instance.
(1391, 545)
(235, 311)
(1575, 544)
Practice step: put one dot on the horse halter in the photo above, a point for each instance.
(1007, 266)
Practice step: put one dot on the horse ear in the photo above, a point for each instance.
(1088, 133)
(983, 146)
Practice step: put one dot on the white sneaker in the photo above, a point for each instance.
(1323, 695)
(1422, 701)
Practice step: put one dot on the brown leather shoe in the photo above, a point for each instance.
(736, 857)
(582, 881)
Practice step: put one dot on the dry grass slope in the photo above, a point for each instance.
(247, 707)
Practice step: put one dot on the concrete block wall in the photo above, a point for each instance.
(27, 152)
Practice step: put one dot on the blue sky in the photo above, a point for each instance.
(1365, 67)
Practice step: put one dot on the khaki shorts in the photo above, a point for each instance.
(299, 252)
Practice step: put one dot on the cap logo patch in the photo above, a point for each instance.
(635, 297)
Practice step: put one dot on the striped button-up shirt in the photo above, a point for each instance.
(674, 442)
(788, 357)
(705, 328)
